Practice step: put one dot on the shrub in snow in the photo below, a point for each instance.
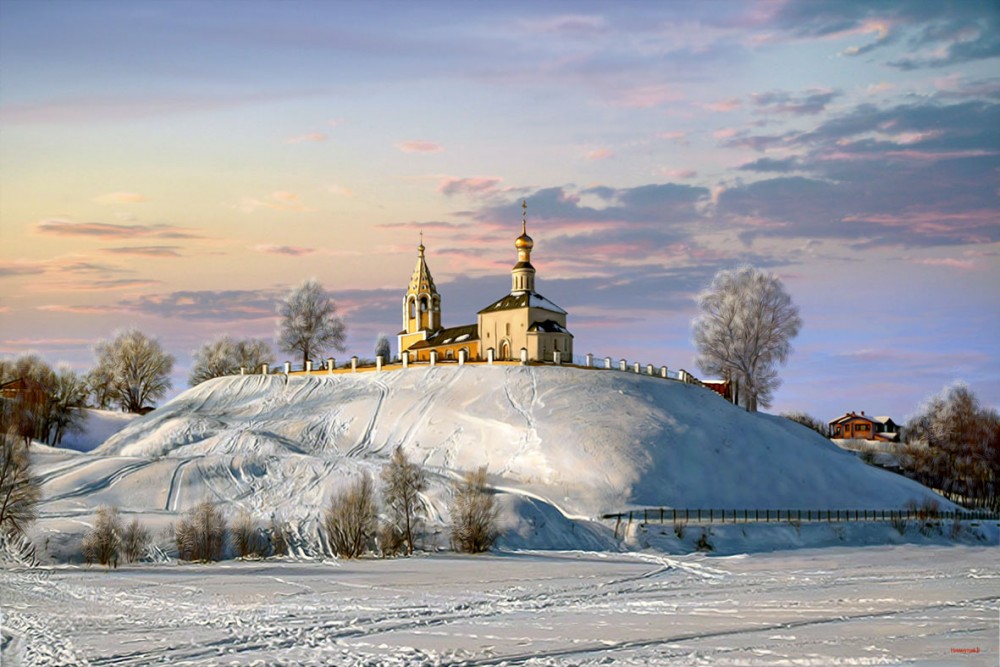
(703, 544)
(351, 518)
(309, 322)
(279, 543)
(403, 482)
(200, 535)
(474, 514)
(136, 367)
(246, 537)
(102, 544)
(225, 356)
(136, 541)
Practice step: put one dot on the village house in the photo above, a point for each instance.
(854, 426)
(521, 324)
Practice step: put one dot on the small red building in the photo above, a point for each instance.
(854, 426)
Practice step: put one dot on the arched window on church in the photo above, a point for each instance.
(423, 304)
(450, 354)
(413, 308)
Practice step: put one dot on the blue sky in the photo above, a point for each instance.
(179, 166)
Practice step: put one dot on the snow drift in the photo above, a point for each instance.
(562, 444)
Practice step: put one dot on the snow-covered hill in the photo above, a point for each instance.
(561, 443)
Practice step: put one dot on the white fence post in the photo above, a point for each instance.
(489, 356)
(649, 369)
(635, 367)
(405, 356)
(354, 364)
(557, 357)
(590, 360)
(607, 363)
(462, 354)
(288, 367)
(243, 370)
(309, 366)
(622, 364)
(264, 369)
(378, 364)
(434, 357)
(524, 356)
(663, 372)
(331, 363)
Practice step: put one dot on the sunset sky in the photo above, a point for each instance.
(179, 166)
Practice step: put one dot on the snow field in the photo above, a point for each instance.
(839, 606)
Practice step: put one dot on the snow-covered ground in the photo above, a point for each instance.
(97, 426)
(902, 605)
(563, 446)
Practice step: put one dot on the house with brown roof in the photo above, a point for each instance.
(854, 426)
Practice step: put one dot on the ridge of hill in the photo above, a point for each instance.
(564, 445)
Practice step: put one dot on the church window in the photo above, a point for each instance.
(507, 330)
(423, 304)
(412, 308)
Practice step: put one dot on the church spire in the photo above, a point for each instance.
(422, 303)
(523, 273)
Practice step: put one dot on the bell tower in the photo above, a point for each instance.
(522, 276)
(421, 304)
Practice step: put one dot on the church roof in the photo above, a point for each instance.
(421, 280)
(548, 326)
(450, 336)
(523, 300)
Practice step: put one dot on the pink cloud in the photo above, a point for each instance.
(145, 251)
(723, 106)
(725, 133)
(951, 262)
(599, 154)
(120, 198)
(676, 137)
(311, 137)
(678, 173)
(60, 227)
(644, 97)
(293, 251)
(96, 285)
(418, 146)
(81, 310)
(476, 185)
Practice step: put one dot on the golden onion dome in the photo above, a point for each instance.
(524, 242)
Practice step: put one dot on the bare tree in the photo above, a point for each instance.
(382, 348)
(103, 542)
(351, 518)
(201, 533)
(225, 356)
(953, 445)
(33, 404)
(474, 514)
(138, 367)
(100, 384)
(67, 401)
(19, 488)
(403, 482)
(135, 541)
(246, 537)
(808, 421)
(744, 331)
(308, 322)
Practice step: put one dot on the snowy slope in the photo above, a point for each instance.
(97, 426)
(560, 442)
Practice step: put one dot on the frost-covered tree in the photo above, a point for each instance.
(474, 514)
(403, 482)
(352, 518)
(953, 445)
(103, 542)
(135, 541)
(382, 348)
(247, 539)
(309, 323)
(19, 488)
(100, 384)
(201, 533)
(744, 331)
(138, 369)
(225, 356)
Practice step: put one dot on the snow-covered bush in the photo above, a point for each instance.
(351, 519)
(248, 542)
(403, 482)
(136, 541)
(474, 514)
(102, 544)
(200, 535)
(279, 543)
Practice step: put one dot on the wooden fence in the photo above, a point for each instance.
(702, 516)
